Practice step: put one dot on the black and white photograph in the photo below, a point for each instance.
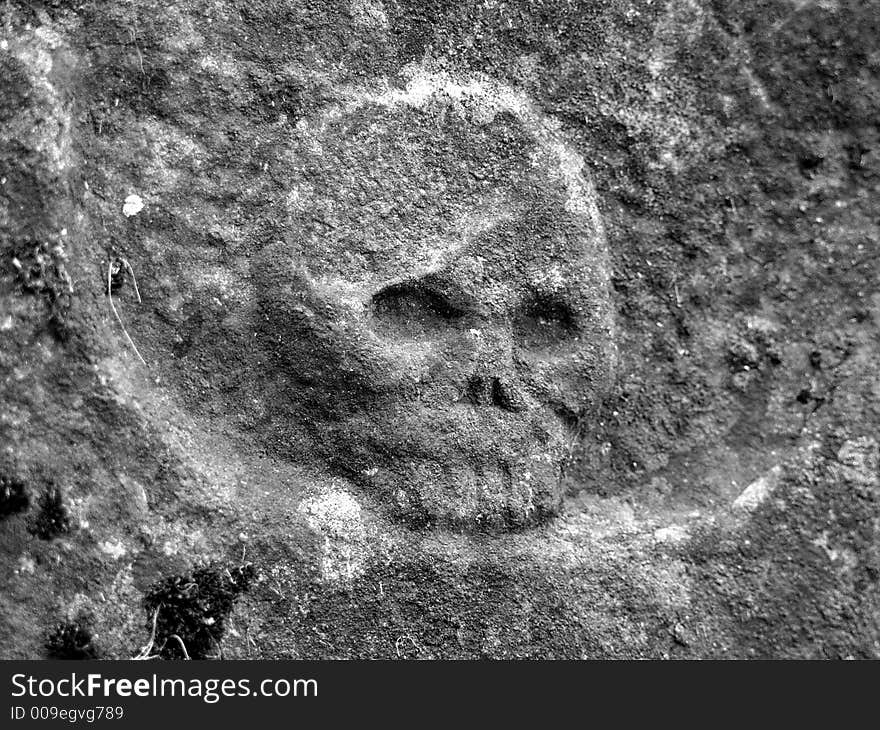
(433, 330)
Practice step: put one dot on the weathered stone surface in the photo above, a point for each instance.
(516, 329)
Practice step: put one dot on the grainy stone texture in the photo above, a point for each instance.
(513, 329)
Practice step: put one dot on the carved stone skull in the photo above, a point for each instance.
(441, 298)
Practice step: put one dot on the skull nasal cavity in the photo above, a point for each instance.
(496, 392)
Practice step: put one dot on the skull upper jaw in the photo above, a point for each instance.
(459, 467)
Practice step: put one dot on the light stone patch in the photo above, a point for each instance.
(133, 205)
(672, 534)
(335, 516)
(754, 495)
(369, 14)
(114, 548)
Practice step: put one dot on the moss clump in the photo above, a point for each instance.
(71, 640)
(192, 609)
(13, 497)
(52, 518)
(41, 268)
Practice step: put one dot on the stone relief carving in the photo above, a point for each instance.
(443, 296)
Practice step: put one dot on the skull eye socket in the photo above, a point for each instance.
(543, 322)
(413, 310)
